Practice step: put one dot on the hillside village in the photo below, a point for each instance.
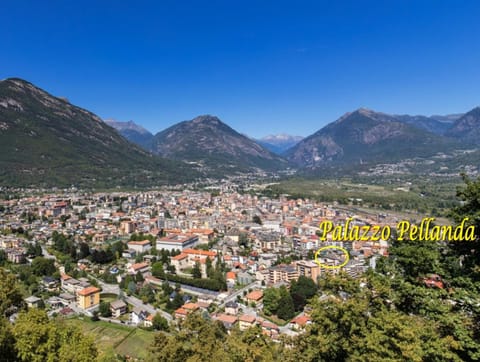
(221, 253)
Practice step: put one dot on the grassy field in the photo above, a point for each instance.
(108, 297)
(112, 338)
(419, 196)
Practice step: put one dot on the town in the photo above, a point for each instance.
(148, 259)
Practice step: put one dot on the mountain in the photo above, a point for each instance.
(46, 141)
(365, 136)
(132, 132)
(467, 127)
(435, 124)
(210, 142)
(279, 143)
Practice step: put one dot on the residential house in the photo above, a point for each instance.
(270, 329)
(231, 308)
(118, 307)
(246, 321)
(138, 315)
(227, 320)
(139, 267)
(244, 278)
(255, 296)
(88, 297)
(33, 301)
(148, 322)
(300, 322)
(50, 284)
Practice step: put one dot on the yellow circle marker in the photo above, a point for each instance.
(343, 250)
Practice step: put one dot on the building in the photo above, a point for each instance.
(16, 256)
(270, 329)
(127, 227)
(183, 311)
(138, 315)
(204, 235)
(282, 272)
(139, 267)
(72, 285)
(231, 308)
(227, 320)
(140, 247)
(244, 278)
(118, 307)
(177, 242)
(300, 322)
(32, 301)
(246, 321)
(88, 297)
(308, 269)
(255, 296)
(188, 257)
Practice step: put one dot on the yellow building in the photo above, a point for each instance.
(88, 297)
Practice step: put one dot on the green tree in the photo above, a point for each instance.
(271, 299)
(257, 220)
(8, 352)
(209, 268)
(146, 294)
(196, 340)
(301, 290)
(286, 309)
(196, 271)
(139, 277)
(104, 309)
(10, 294)
(157, 270)
(38, 339)
(159, 323)
(43, 267)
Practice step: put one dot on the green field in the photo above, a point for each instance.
(417, 196)
(108, 297)
(112, 338)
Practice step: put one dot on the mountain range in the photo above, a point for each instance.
(366, 136)
(132, 132)
(279, 143)
(207, 141)
(46, 140)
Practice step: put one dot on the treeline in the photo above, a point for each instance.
(34, 337)
(210, 284)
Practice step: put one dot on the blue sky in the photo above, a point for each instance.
(263, 67)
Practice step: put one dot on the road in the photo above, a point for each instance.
(148, 307)
(233, 296)
(115, 289)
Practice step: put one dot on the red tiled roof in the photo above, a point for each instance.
(138, 266)
(199, 252)
(247, 318)
(143, 242)
(226, 318)
(179, 256)
(88, 291)
(255, 295)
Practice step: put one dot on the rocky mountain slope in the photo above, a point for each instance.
(208, 141)
(467, 127)
(45, 140)
(132, 132)
(365, 136)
